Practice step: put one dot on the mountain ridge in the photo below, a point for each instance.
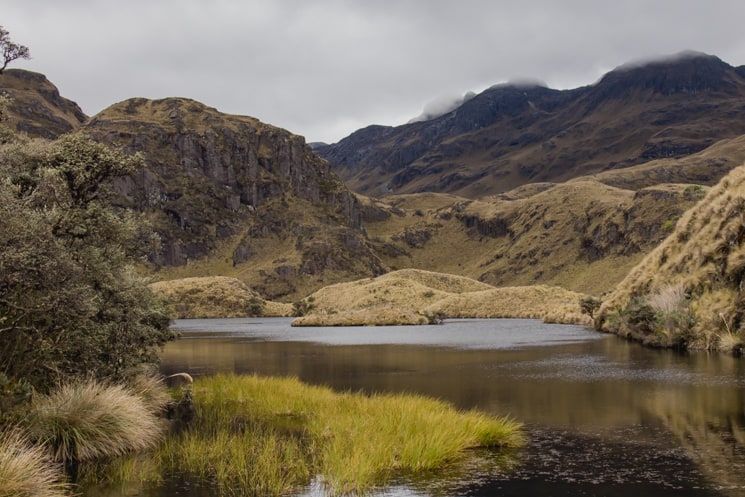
(510, 135)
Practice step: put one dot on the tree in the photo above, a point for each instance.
(589, 305)
(71, 303)
(11, 51)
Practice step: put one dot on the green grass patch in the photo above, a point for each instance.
(267, 436)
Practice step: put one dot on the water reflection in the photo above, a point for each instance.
(605, 416)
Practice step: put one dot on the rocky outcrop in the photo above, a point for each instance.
(213, 179)
(36, 107)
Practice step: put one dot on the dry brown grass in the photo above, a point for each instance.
(704, 257)
(27, 471)
(413, 296)
(215, 297)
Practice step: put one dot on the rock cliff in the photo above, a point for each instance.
(234, 186)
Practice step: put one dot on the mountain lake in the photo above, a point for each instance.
(603, 416)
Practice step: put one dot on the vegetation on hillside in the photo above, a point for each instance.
(215, 297)
(413, 296)
(688, 292)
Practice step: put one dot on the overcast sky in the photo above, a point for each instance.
(325, 68)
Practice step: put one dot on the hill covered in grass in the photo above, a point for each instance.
(688, 292)
(413, 296)
(215, 297)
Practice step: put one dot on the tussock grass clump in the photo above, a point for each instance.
(266, 436)
(82, 422)
(26, 470)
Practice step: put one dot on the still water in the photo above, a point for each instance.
(604, 417)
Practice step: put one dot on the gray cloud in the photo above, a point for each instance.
(325, 68)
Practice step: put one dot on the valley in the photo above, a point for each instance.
(518, 186)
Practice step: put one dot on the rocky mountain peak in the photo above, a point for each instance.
(687, 72)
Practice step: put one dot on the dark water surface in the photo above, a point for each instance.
(604, 417)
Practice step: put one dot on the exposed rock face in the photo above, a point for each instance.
(510, 135)
(37, 107)
(211, 177)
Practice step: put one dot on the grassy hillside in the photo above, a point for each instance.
(419, 297)
(216, 297)
(582, 235)
(688, 291)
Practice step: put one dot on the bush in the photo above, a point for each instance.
(589, 305)
(70, 302)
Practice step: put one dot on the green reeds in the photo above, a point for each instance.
(26, 470)
(265, 436)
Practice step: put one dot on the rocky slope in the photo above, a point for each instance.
(251, 196)
(36, 107)
(510, 135)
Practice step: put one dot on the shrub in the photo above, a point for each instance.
(13, 394)
(26, 470)
(255, 307)
(640, 317)
(303, 307)
(589, 305)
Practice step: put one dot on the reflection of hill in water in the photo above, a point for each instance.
(712, 436)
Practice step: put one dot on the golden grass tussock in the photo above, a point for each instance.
(696, 273)
(27, 471)
(87, 421)
(267, 436)
(216, 297)
(413, 296)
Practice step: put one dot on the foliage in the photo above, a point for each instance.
(11, 51)
(255, 307)
(70, 302)
(589, 305)
(26, 471)
(435, 317)
(303, 307)
(12, 395)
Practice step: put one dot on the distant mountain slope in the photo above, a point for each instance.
(510, 135)
(689, 291)
(582, 235)
(36, 106)
(251, 196)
